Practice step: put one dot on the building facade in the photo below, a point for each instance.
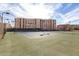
(40, 24)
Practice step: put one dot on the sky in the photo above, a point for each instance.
(63, 13)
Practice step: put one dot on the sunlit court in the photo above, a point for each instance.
(45, 43)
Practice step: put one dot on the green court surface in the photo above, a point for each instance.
(56, 44)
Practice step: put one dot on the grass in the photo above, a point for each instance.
(57, 44)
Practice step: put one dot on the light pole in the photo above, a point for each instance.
(3, 27)
(3, 24)
(3, 15)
